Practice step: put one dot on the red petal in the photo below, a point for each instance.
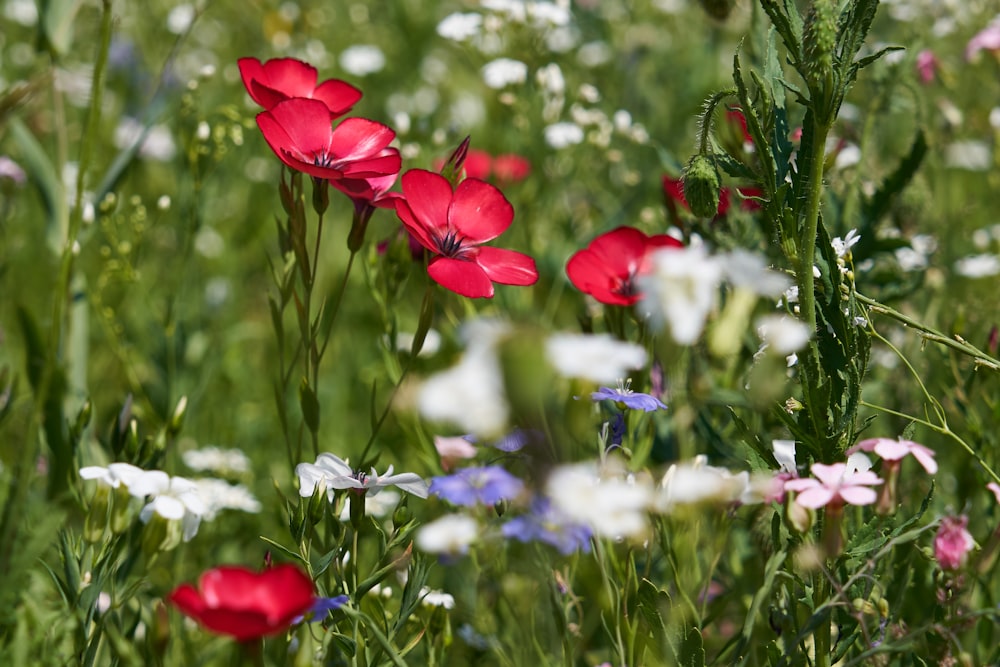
(386, 164)
(289, 76)
(339, 96)
(413, 226)
(358, 138)
(462, 277)
(511, 167)
(188, 600)
(477, 164)
(429, 196)
(674, 189)
(304, 124)
(507, 267)
(589, 275)
(479, 211)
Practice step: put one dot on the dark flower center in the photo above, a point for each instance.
(450, 245)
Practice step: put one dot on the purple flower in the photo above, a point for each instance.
(517, 439)
(546, 524)
(487, 485)
(322, 607)
(624, 396)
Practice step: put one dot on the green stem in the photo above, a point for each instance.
(706, 117)
(822, 638)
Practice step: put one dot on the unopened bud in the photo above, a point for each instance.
(819, 39)
(701, 186)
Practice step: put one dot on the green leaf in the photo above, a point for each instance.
(310, 405)
(58, 18)
(46, 179)
(692, 650)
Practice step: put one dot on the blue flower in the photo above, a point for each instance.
(471, 486)
(517, 439)
(546, 524)
(626, 398)
(322, 607)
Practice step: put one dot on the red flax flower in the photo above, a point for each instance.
(673, 189)
(607, 268)
(282, 78)
(453, 224)
(299, 132)
(244, 604)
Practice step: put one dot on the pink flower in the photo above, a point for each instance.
(927, 64)
(952, 542)
(453, 224)
(995, 488)
(987, 39)
(282, 78)
(299, 132)
(895, 450)
(834, 486)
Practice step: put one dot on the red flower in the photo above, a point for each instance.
(454, 224)
(298, 130)
(279, 79)
(477, 164)
(244, 604)
(607, 268)
(373, 190)
(511, 168)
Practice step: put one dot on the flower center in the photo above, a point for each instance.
(450, 245)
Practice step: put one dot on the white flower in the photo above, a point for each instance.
(749, 270)
(469, 395)
(978, 266)
(432, 598)
(330, 472)
(858, 462)
(545, 14)
(432, 343)
(782, 333)
(594, 54)
(460, 26)
(842, 246)
(697, 482)
(115, 475)
(362, 59)
(551, 79)
(451, 534)
(173, 498)
(784, 454)
(561, 135)
(180, 18)
(503, 72)
(378, 505)
(610, 503)
(599, 358)
(681, 290)
(216, 459)
(971, 155)
(157, 141)
(218, 495)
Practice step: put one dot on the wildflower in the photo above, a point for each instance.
(626, 398)
(298, 131)
(604, 499)
(470, 394)
(454, 449)
(460, 27)
(995, 489)
(545, 523)
(978, 266)
(247, 605)
(680, 290)
(608, 267)
(748, 270)
(834, 486)
(927, 65)
(432, 598)
(516, 440)
(330, 472)
(563, 135)
(503, 72)
(378, 505)
(218, 495)
(11, 171)
(322, 607)
(282, 78)
(451, 535)
(471, 486)
(783, 333)
(114, 476)
(216, 459)
(594, 357)
(697, 482)
(362, 59)
(171, 498)
(454, 224)
(987, 39)
(893, 451)
(953, 542)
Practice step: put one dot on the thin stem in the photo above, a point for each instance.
(706, 117)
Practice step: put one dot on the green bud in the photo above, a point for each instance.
(701, 186)
(97, 514)
(819, 41)
(401, 516)
(160, 535)
(123, 509)
(718, 9)
(310, 405)
(177, 418)
(321, 195)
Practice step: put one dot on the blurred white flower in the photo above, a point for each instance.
(561, 135)
(157, 144)
(746, 269)
(546, 14)
(594, 54)
(784, 454)
(697, 482)
(362, 59)
(551, 79)
(452, 534)
(848, 156)
(218, 495)
(460, 26)
(180, 18)
(978, 266)
(469, 395)
(432, 343)
(971, 155)
(24, 12)
(503, 72)
(609, 502)
(600, 358)
(516, 10)
(680, 291)
(842, 246)
(432, 598)
(995, 118)
(783, 334)
(216, 459)
(378, 505)
(115, 475)
(561, 39)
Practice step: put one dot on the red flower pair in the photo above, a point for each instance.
(607, 268)
(673, 188)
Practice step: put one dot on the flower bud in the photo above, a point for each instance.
(160, 534)
(97, 515)
(819, 40)
(701, 186)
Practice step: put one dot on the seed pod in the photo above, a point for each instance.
(701, 186)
